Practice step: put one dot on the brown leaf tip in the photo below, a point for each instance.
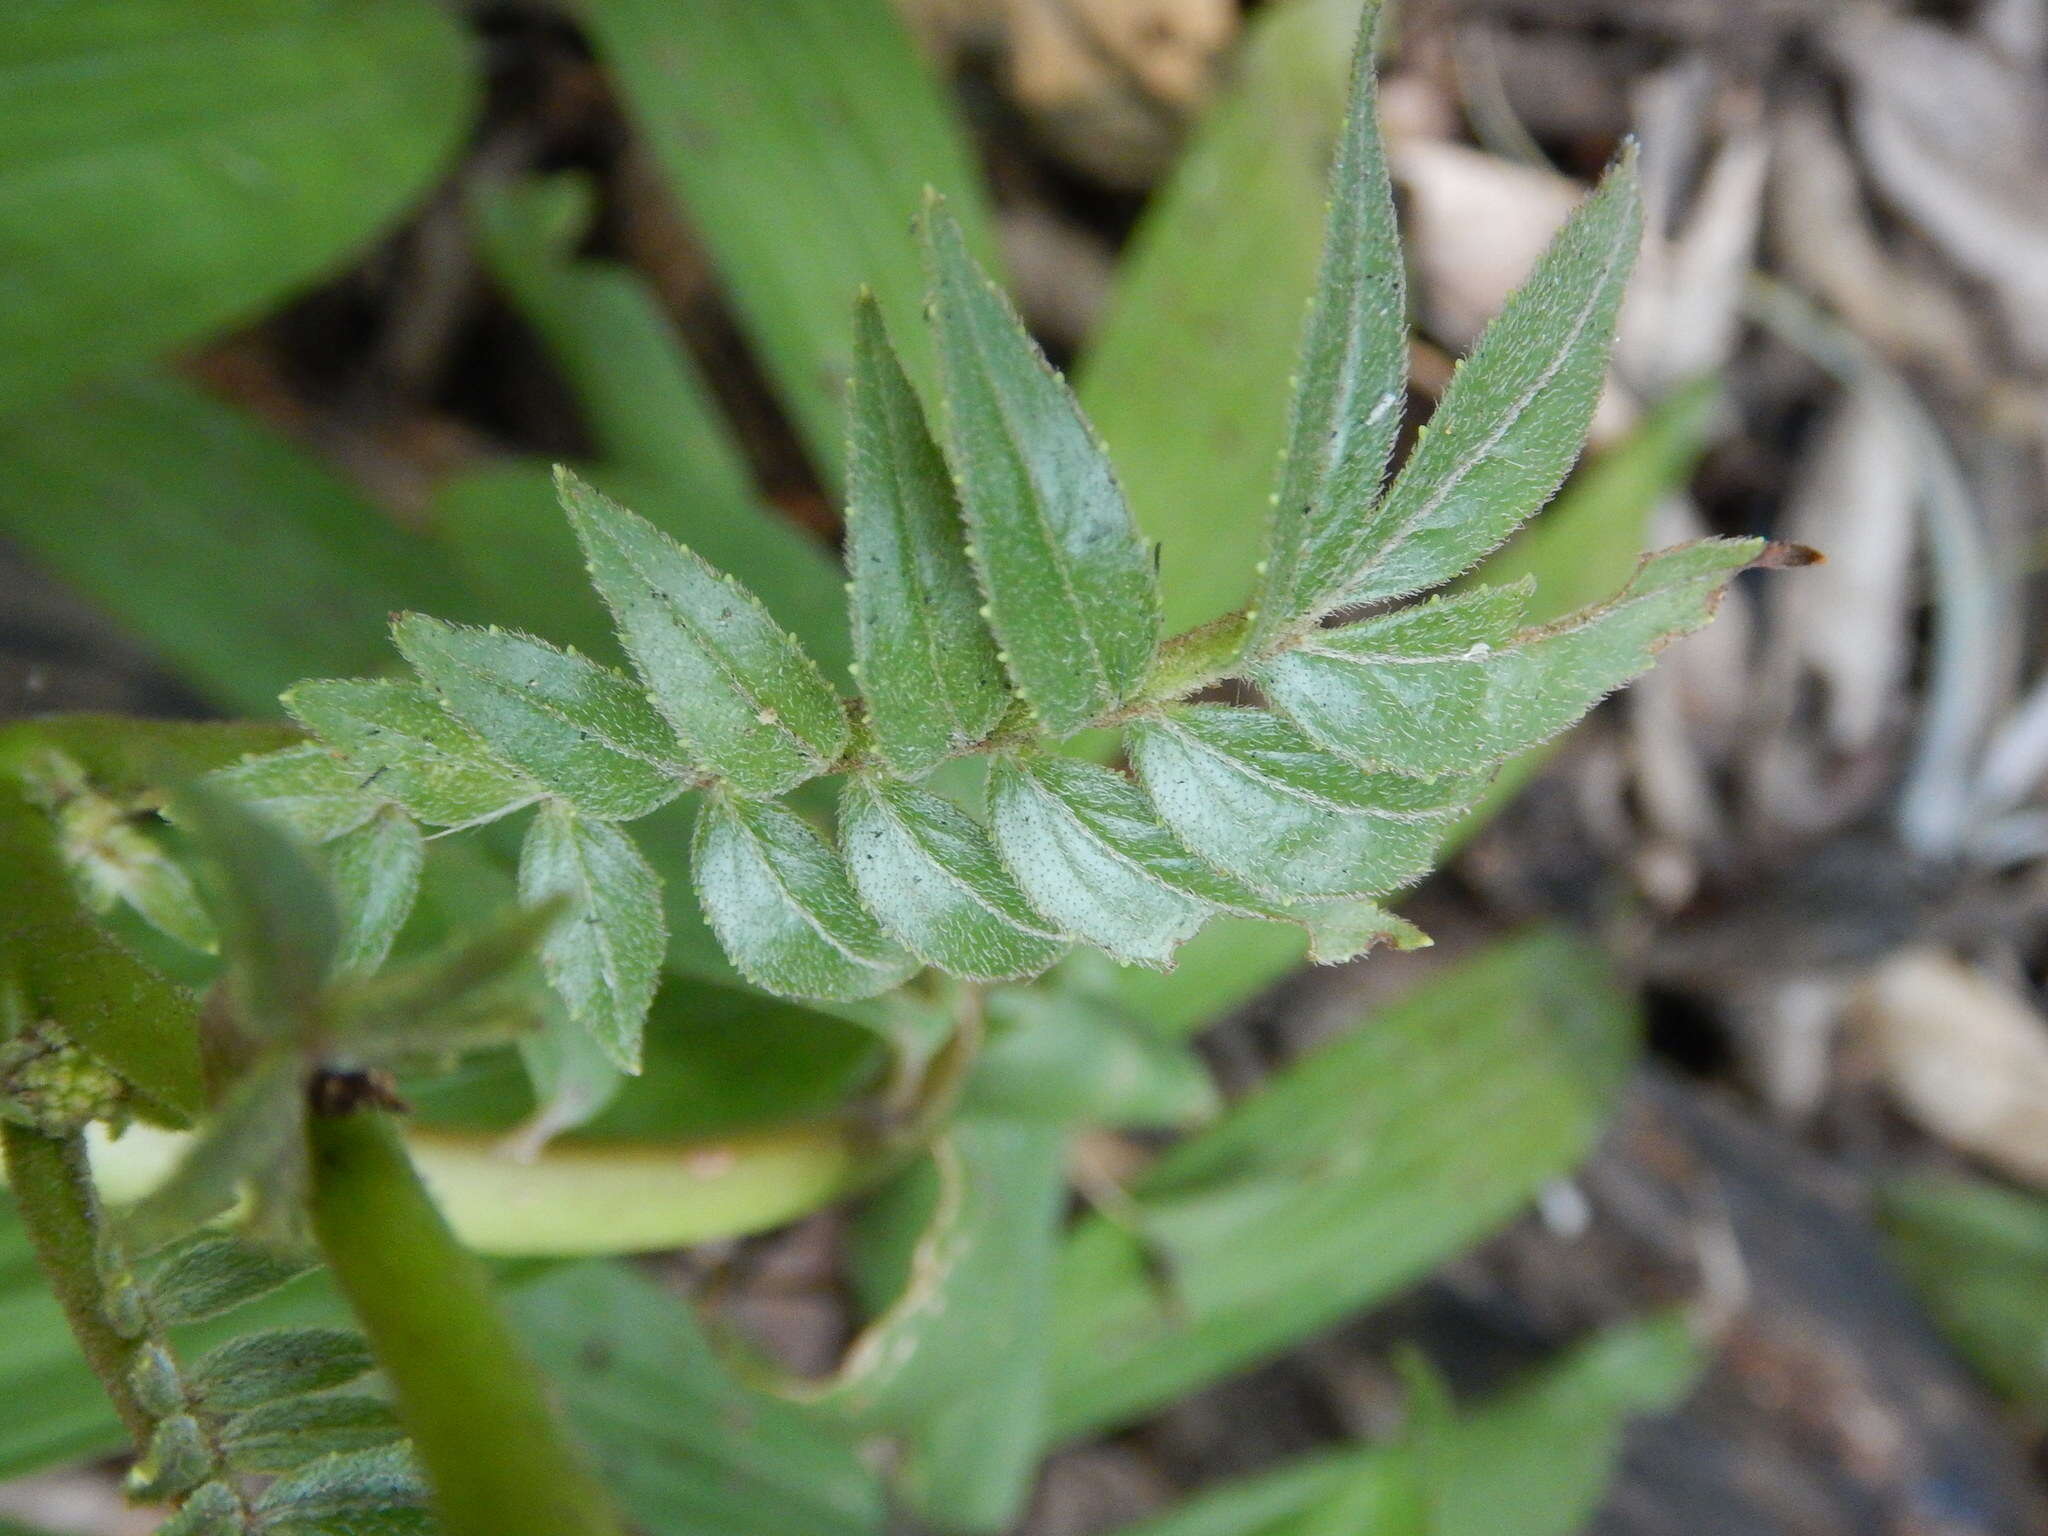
(1779, 555)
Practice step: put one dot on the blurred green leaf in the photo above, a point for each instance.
(1060, 1057)
(1535, 1460)
(243, 562)
(306, 787)
(1071, 594)
(1351, 1173)
(1977, 1256)
(375, 869)
(252, 1140)
(799, 140)
(173, 166)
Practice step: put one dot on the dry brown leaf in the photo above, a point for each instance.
(1966, 1058)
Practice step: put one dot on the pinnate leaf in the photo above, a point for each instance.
(604, 957)
(928, 666)
(584, 732)
(410, 749)
(260, 1368)
(932, 876)
(1516, 412)
(780, 902)
(1091, 856)
(1350, 384)
(1251, 794)
(1450, 686)
(747, 702)
(1071, 591)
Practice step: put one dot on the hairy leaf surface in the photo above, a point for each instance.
(306, 787)
(1451, 686)
(780, 902)
(263, 1367)
(409, 748)
(604, 957)
(586, 733)
(1350, 385)
(1516, 412)
(928, 666)
(932, 876)
(1254, 796)
(1071, 592)
(747, 702)
(376, 873)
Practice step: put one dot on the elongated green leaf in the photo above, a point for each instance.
(584, 732)
(1203, 328)
(775, 126)
(956, 1365)
(1350, 385)
(1254, 796)
(604, 957)
(350, 1491)
(212, 1275)
(1350, 1174)
(252, 1142)
(1088, 854)
(306, 787)
(376, 874)
(933, 878)
(779, 900)
(648, 1393)
(285, 1435)
(1071, 593)
(409, 748)
(122, 1014)
(747, 702)
(1450, 686)
(1058, 1056)
(263, 1367)
(171, 168)
(928, 666)
(242, 561)
(1516, 412)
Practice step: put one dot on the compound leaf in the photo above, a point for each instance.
(408, 748)
(1450, 686)
(1350, 384)
(932, 877)
(1071, 591)
(1251, 794)
(1516, 411)
(581, 730)
(780, 902)
(928, 666)
(604, 957)
(747, 702)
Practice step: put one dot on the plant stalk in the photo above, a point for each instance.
(53, 1193)
(499, 1461)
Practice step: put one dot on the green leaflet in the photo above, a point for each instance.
(1350, 386)
(1516, 412)
(1087, 852)
(251, 1143)
(172, 168)
(581, 730)
(1255, 797)
(796, 138)
(604, 957)
(118, 1011)
(1450, 686)
(779, 900)
(1346, 1177)
(1184, 372)
(282, 1436)
(376, 873)
(747, 702)
(212, 1275)
(410, 749)
(1058, 1056)
(1071, 593)
(956, 1365)
(306, 787)
(932, 877)
(357, 1491)
(928, 666)
(260, 1368)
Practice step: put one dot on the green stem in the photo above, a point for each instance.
(53, 1193)
(499, 1462)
